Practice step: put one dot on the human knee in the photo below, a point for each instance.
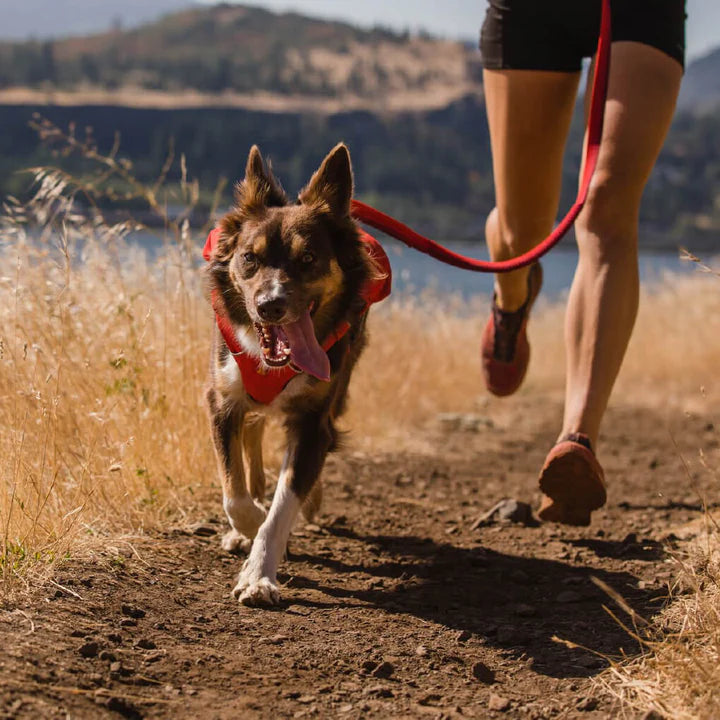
(607, 227)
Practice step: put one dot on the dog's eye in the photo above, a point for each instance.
(250, 257)
(308, 258)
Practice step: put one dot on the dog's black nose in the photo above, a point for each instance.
(271, 308)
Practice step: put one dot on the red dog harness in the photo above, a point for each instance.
(265, 384)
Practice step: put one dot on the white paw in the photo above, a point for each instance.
(260, 593)
(233, 542)
(245, 515)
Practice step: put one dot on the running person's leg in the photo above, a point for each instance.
(602, 306)
(529, 114)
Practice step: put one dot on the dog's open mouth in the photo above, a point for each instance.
(295, 343)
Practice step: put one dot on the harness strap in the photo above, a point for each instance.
(387, 224)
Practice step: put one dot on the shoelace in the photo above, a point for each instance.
(507, 326)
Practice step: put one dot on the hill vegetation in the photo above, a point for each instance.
(238, 49)
(410, 108)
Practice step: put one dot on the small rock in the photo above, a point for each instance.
(569, 596)
(383, 670)
(507, 509)
(116, 666)
(463, 636)
(107, 655)
(78, 633)
(203, 530)
(128, 622)
(114, 638)
(369, 665)
(89, 649)
(306, 699)
(483, 673)
(378, 691)
(132, 611)
(145, 644)
(421, 651)
(498, 703)
(430, 699)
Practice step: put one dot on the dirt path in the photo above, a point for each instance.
(393, 605)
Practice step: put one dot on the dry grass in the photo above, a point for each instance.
(678, 676)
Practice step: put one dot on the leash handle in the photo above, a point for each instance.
(389, 225)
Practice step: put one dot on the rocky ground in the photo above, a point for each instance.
(399, 602)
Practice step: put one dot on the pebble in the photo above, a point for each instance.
(89, 649)
(507, 509)
(107, 655)
(203, 530)
(132, 611)
(145, 644)
(128, 622)
(498, 703)
(463, 636)
(384, 670)
(483, 673)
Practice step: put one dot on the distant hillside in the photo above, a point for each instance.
(700, 90)
(233, 49)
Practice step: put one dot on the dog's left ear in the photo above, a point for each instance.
(331, 187)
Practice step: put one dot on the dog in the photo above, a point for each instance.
(290, 284)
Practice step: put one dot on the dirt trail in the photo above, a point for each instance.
(393, 605)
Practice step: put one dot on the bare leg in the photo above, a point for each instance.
(643, 88)
(529, 114)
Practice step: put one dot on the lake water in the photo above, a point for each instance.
(415, 273)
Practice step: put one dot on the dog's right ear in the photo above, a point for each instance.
(257, 192)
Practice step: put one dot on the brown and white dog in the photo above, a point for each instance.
(290, 285)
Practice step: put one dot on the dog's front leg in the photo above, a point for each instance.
(309, 439)
(244, 514)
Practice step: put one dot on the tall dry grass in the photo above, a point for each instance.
(678, 674)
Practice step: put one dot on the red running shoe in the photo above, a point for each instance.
(572, 482)
(504, 346)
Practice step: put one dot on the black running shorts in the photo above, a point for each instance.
(558, 34)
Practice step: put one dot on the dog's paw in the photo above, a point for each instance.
(260, 593)
(233, 542)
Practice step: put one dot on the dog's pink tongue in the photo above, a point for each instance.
(305, 351)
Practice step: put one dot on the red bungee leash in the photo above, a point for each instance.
(389, 225)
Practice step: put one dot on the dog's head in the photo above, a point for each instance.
(287, 274)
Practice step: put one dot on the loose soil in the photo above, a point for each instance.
(393, 605)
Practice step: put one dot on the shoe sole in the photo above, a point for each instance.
(573, 484)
